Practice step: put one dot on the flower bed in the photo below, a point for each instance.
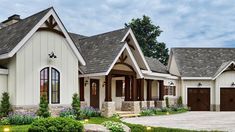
(163, 111)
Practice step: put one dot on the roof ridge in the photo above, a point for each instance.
(27, 17)
(105, 33)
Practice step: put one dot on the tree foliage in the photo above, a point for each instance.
(43, 108)
(76, 105)
(5, 107)
(146, 34)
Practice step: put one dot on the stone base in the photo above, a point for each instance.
(108, 109)
(54, 109)
(83, 104)
(25, 109)
(143, 104)
(131, 106)
(160, 104)
(172, 100)
(150, 104)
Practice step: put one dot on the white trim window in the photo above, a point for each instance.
(50, 85)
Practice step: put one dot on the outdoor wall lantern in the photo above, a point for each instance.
(86, 82)
(171, 83)
(52, 55)
(199, 84)
(233, 84)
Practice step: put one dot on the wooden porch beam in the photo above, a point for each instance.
(108, 87)
(81, 89)
(149, 90)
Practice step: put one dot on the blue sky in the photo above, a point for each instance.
(191, 23)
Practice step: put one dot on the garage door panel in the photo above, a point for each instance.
(199, 99)
(227, 99)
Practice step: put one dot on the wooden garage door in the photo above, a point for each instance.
(227, 99)
(199, 99)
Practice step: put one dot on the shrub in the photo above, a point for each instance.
(67, 113)
(136, 127)
(21, 118)
(164, 109)
(114, 126)
(167, 102)
(76, 105)
(43, 108)
(88, 112)
(56, 124)
(179, 101)
(147, 112)
(5, 107)
(4, 121)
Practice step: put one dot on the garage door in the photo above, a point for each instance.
(227, 99)
(199, 99)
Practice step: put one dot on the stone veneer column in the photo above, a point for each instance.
(131, 106)
(160, 104)
(108, 109)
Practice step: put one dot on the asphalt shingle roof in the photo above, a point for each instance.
(202, 62)
(155, 65)
(100, 50)
(11, 35)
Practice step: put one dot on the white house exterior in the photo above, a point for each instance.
(42, 61)
(38, 56)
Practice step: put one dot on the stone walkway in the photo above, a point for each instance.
(222, 121)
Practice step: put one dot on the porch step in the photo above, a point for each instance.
(127, 114)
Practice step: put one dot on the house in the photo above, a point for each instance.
(206, 77)
(117, 76)
(38, 56)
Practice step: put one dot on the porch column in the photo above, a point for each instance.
(161, 89)
(133, 89)
(108, 88)
(81, 89)
(149, 90)
(140, 89)
(127, 88)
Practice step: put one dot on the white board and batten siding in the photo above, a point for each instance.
(33, 57)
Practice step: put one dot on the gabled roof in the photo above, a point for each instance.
(156, 66)
(223, 67)
(14, 36)
(202, 62)
(11, 35)
(100, 50)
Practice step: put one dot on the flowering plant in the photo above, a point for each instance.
(114, 126)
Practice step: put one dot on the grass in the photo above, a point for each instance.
(15, 128)
(136, 127)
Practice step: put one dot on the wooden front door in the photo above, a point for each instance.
(199, 99)
(94, 93)
(227, 99)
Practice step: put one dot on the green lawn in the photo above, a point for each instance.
(16, 128)
(99, 120)
(136, 128)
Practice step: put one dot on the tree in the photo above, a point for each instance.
(5, 105)
(76, 105)
(43, 110)
(146, 34)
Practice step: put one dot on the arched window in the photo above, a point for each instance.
(55, 86)
(44, 83)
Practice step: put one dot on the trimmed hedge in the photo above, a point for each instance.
(56, 124)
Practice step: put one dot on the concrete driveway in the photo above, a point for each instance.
(221, 121)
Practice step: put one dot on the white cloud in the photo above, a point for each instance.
(199, 23)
